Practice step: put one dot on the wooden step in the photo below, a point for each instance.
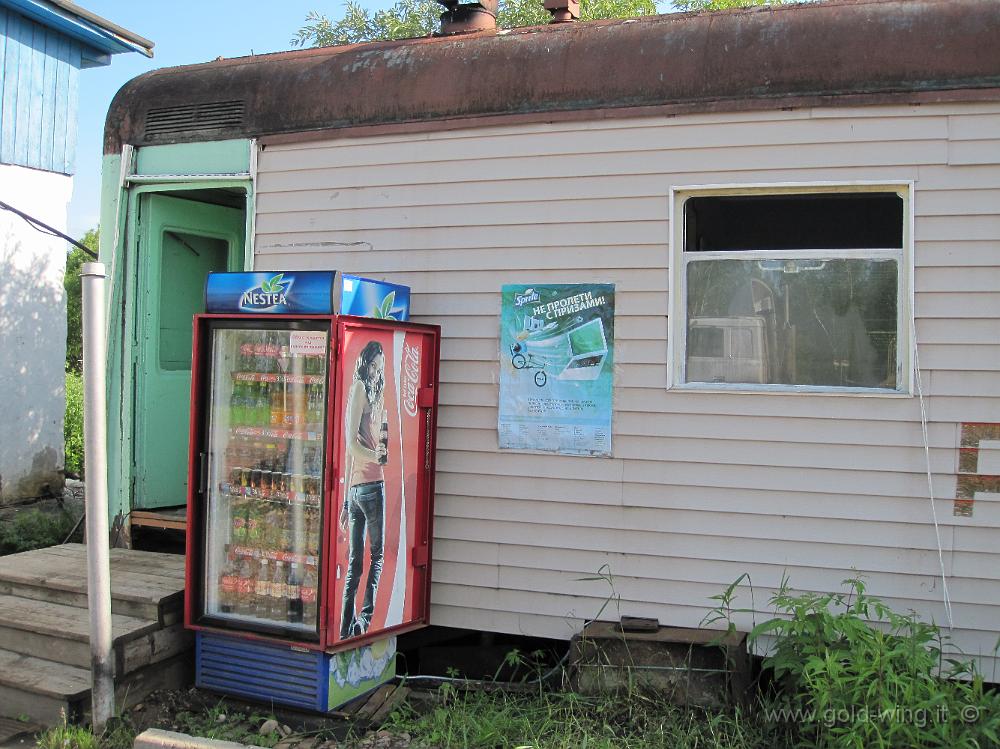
(61, 633)
(43, 690)
(144, 585)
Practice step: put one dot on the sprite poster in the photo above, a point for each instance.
(557, 367)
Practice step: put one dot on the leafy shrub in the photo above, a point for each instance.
(845, 682)
(34, 529)
(73, 424)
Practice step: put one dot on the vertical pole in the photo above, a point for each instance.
(96, 481)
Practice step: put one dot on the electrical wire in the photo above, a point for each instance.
(930, 481)
(41, 226)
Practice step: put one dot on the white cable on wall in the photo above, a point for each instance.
(930, 481)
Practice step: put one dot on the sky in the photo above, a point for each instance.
(184, 32)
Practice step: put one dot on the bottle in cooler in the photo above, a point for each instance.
(262, 406)
(262, 591)
(235, 405)
(294, 593)
(277, 414)
(245, 585)
(229, 586)
(278, 601)
(308, 593)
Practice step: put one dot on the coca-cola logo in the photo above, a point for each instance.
(411, 378)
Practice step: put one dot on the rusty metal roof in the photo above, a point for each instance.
(843, 52)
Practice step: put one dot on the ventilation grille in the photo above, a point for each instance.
(212, 115)
(260, 671)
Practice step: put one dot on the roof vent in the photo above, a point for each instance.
(465, 18)
(211, 115)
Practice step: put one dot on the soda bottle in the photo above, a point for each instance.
(277, 415)
(229, 586)
(235, 405)
(383, 437)
(262, 406)
(311, 529)
(245, 584)
(308, 593)
(278, 602)
(262, 592)
(294, 592)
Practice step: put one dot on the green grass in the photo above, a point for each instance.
(467, 719)
(118, 735)
(73, 425)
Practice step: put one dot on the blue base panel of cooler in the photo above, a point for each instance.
(277, 674)
(262, 671)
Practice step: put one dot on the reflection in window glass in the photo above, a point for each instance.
(793, 322)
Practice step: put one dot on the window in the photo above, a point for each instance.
(802, 288)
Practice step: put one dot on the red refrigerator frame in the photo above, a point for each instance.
(341, 328)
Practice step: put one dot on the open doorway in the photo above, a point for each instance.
(183, 235)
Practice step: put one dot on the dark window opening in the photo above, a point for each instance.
(829, 221)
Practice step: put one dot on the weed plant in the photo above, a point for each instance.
(34, 529)
(73, 424)
(851, 672)
(117, 735)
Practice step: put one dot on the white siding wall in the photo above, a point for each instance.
(701, 487)
(32, 334)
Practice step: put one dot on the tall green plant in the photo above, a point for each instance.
(73, 424)
(851, 672)
(74, 302)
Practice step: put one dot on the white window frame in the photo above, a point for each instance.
(677, 313)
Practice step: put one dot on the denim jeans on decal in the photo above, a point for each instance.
(365, 512)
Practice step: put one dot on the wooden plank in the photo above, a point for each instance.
(811, 453)
(375, 701)
(72, 97)
(43, 678)
(730, 159)
(722, 547)
(36, 88)
(49, 98)
(974, 152)
(156, 520)
(673, 135)
(594, 257)
(624, 521)
(62, 118)
(154, 647)
(577, 563)
(552, 234)
(395, 699)
(65, 622)
(963, 279)
(432, 216)
(11, 70)
(952, 228)
(129, 582)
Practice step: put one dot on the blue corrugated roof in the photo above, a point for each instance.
(101, 36)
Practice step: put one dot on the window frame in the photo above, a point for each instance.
(677, 323)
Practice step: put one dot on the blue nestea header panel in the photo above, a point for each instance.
(271, 293)
(382, 300)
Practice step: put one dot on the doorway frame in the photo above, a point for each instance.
(239, 159)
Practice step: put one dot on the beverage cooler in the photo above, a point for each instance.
(310, 489)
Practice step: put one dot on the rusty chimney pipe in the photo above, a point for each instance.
(563, 11)
(464, 18)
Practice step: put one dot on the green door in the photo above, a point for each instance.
(180, 242)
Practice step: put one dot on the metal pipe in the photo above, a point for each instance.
(102, 665)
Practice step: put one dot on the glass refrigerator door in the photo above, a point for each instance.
(267, 401)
